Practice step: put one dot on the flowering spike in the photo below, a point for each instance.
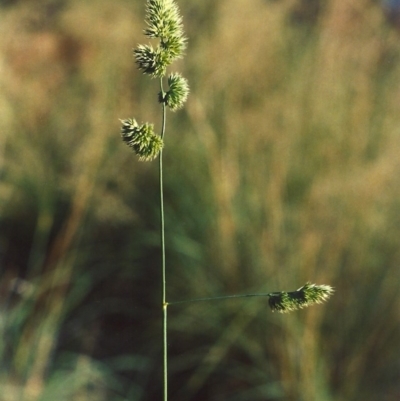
(151, 61)
(307, 295)
(177, 94)
(141, 139)
(165, 23)
(163, 20)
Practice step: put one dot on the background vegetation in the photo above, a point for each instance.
(283, 167)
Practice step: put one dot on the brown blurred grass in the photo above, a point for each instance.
(282, 168)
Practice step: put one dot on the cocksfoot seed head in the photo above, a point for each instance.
(151, 61)
(163, 20)
(164, 23)
(307, 295)
(141, 138)
(177, 94)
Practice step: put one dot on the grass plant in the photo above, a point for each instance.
(281, 168)
(165, 24)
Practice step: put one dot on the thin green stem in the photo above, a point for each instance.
(164, 279)
(221, 298)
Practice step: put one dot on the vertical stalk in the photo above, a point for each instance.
(164, 280)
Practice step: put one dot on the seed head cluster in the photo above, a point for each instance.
(307, 295)
(141, 138)
(165, 24)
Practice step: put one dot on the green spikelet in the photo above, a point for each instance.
(307, 295)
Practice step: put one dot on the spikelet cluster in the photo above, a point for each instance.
(141, 138)
(176, 95)
(305, 296)
(165, 24)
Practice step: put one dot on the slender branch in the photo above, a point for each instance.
(282, 301)
(164, 279)
(219, 298)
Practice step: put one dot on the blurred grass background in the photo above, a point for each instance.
(282, 168)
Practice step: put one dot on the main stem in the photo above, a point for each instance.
(164, 280)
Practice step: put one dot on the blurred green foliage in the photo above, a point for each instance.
(282, 168)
